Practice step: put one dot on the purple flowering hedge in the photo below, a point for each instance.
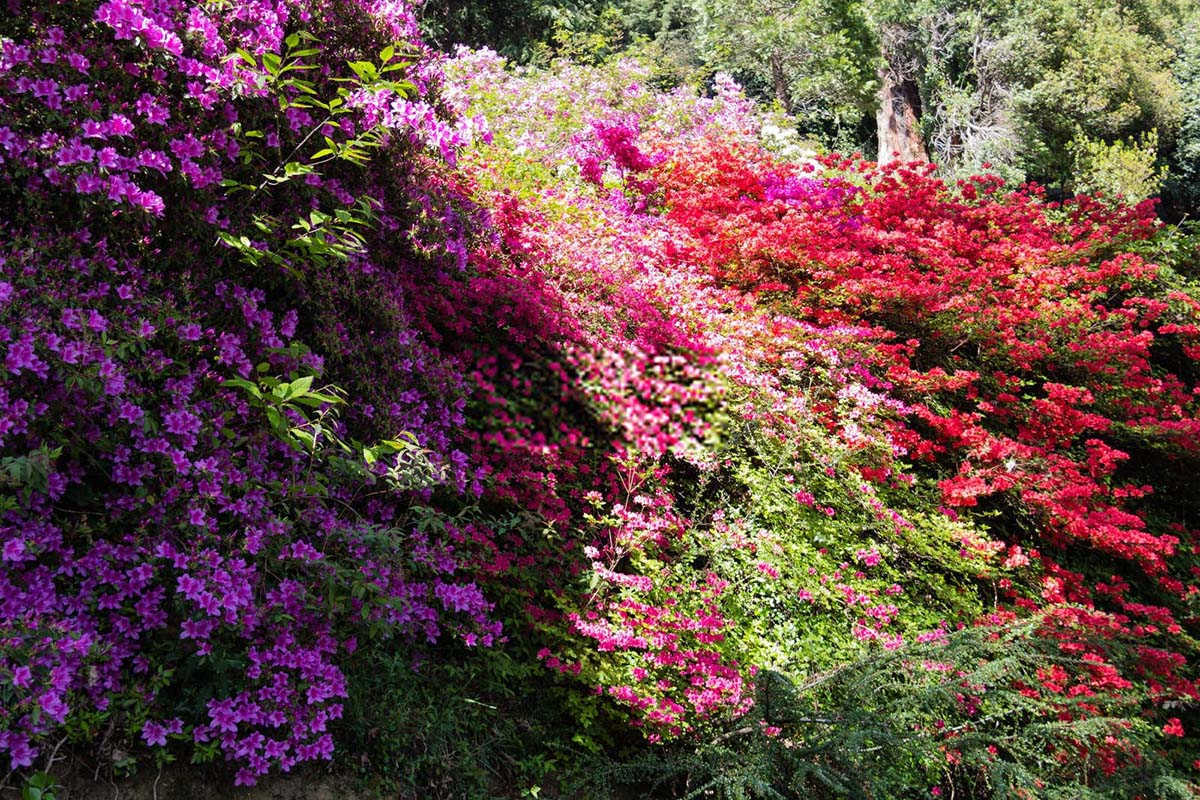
(197, 527)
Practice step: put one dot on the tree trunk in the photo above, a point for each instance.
(779, 83)
(898, 120)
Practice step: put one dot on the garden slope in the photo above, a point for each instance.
(312, 388)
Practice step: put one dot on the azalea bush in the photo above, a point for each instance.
(201, 522)
(914, 408)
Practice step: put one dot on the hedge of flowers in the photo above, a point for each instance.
(305, 361)
(195, 536)
(910, 408)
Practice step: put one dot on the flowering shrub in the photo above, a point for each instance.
(1036, 360)
(1025, 317)
(193, 539)
(900, 394)
(320, 353)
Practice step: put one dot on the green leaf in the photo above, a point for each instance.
(298, 387)
(325, 397)
(306, 438)
(241, 383)
(365, 70)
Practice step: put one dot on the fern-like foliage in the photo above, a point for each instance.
(965, 718)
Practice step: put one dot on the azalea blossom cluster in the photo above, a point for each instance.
(889, 340)
(160, 541)
(991, 269)
(1025, 339)
(651, 367)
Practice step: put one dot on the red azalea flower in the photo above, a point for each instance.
(1173, 727)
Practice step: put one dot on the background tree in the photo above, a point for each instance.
(898, 113)
(1086, 71)
(518, 29)
(1182, 190)
(1091, 95)
(817, 59)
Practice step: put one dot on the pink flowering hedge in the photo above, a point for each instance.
(322, 354)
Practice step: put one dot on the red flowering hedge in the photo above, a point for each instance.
(1030, 347)
(1049, 369)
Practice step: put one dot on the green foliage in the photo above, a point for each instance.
(1122, 169)
(1019, 86)
(924, 716)
(285, 404)
(809, 549)
(448, 725)
(1182, 191)
(306, 419)
(1083, 67)
(522, 29)
(21, 475)
(319, 236)
(40, 786)
(815, 59)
